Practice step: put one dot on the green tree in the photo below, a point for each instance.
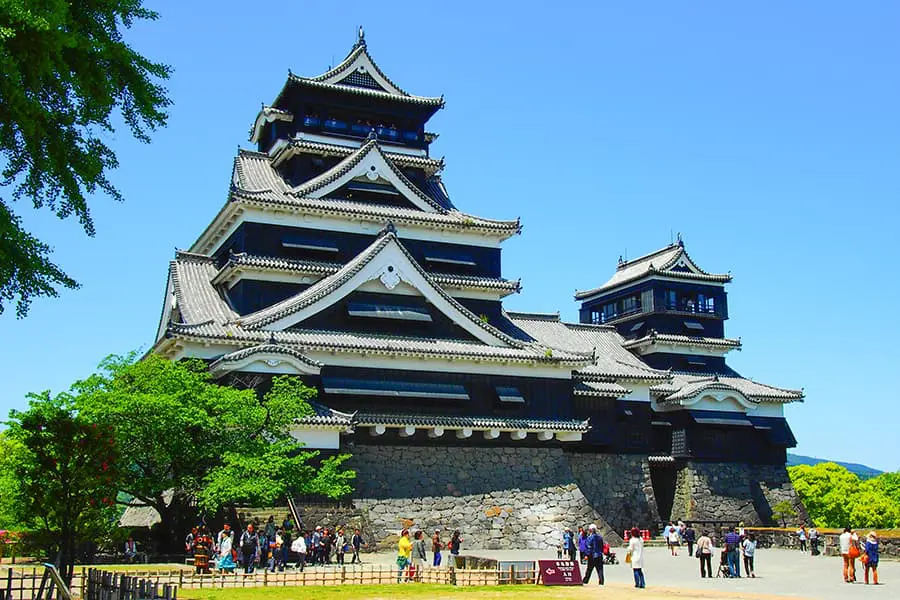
(67, 73)
(180, 431)
(827, 491)
(783, 511)
(66, 471)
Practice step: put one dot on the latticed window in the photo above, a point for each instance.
(358, 79)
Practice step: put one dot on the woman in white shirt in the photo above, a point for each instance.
(749, 547)
(636, 555)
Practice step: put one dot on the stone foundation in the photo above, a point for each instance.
(733, 492)
(523, 497)
(497, 497)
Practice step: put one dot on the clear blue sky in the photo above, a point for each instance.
(769, 135)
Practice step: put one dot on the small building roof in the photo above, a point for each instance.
(283, 151)
(654, 337)
(461, 422)
(671, 261)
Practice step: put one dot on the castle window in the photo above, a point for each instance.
(609, 312)
(396, 389)
(382, 311)
(510, 395)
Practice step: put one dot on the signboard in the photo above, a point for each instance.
(559, 572)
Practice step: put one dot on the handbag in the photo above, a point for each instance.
(698, 553)
(628, 558)
(854, 551)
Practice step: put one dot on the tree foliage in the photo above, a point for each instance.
(65, 467)
(178, 430)
(835, 497)
(784, 512)
(66, 73)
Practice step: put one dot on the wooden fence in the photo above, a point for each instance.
(24, 583)
(104, 585)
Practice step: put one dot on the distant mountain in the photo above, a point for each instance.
(861, 471)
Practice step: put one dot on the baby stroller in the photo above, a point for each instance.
(609, 557)
(723, 570)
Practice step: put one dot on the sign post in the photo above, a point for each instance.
(559, 572)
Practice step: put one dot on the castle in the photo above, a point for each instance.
(340, 257)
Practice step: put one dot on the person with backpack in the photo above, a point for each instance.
(340, 546)
(298, 547)
(732, 552)
(249, 548)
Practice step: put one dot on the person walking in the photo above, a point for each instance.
(356, 542)
(286, 541)
(704, 553)
(418, 555)
(870, 557)
(582, 545)
(690, 537)
(849, 548)
(672, 540)
(455, 542)
(748, 546)
(404, 553)
(813, 541)
(635, 555)
(569, 543)
(436, 546)
(595, 554)
(801, 536)
(249, 548)
(298, 547)
(340, 546)
(314, 548)
(269, 531)
(732, 552)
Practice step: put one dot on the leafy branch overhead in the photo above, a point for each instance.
(67, 72)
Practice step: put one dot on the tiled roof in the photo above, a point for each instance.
(331, 283)
(611, 360)
(603, 389)
(207, 318)
(325, 416)
(350, 162)
(437, 102)
(268, 348)
(301, 146)
(333, 78)
(685, 386)
(449, 422)
(266, 115)
(255, 182)
(659, 262)
(684, 340)
(267, 263)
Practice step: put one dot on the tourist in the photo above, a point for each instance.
(749, 549)
(732, 549)
(849, 551)
(225, 562)
(635, 555)
(226, 532)
(690, 537)
(436, 546)
(356, 542)
(582, 545)
(704, 553)
(327, 543)
(870, 557)
(340, 546)
(595, 554)
(404, 553)
(269, 531)
(801, 535)
(286, 541)
(249, 548)
(418, 555)
(672, 540)
(189, 541)
(262, 555)
(814, 540)
(298, 547)
(454, 544)
(288, 524)
(568, 543)
(314, 547)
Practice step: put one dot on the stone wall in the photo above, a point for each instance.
(497, 497)
(618, 486)
(732, 492)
